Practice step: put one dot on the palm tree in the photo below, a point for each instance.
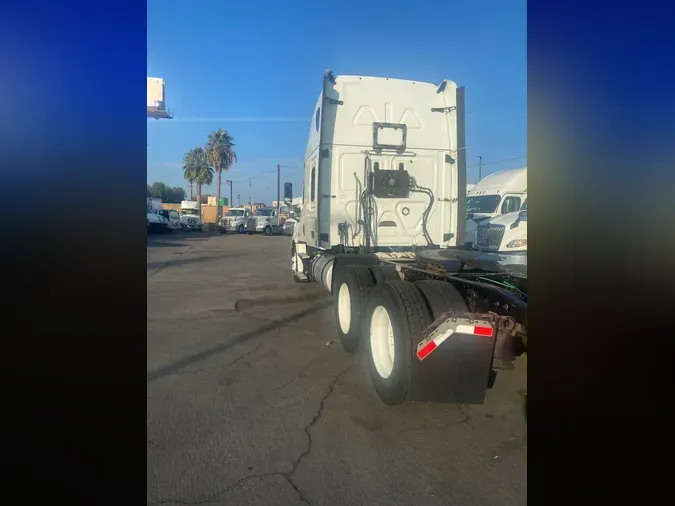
(190, 167)
(197, 167)
(220, 154)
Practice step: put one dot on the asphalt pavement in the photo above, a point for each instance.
(251, 400)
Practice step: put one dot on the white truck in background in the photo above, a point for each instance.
(506, 236)
(190, 218)
(383, 230)
(234, 220)
(499, 193)
(264, 221)
(154, 219)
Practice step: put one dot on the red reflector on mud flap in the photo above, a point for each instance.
(482, 331)
(428, 348)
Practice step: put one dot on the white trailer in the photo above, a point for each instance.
(383, 230)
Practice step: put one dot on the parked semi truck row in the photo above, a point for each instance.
(383, 230)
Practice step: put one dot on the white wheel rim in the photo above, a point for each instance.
(382, 342)
(344, 308)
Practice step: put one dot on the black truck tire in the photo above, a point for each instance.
(395, 317)
(351, 286)
(384, 272)
(441, 297)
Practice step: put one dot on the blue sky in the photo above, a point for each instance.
(256, 71)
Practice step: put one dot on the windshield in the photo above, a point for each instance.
(237, 212)
(482, 204)
(190, 212)
(264, 212)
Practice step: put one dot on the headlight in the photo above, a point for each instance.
(517, 243)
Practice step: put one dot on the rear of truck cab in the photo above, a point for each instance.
(362, 125)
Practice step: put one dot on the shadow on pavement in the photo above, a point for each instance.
(173, 238)
(202, 355)
(160, 244)
(187, 261)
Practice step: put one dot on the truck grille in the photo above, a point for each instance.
(251, 223)
(489, 237)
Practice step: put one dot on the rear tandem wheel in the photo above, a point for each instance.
(394, 320)
(351, 286)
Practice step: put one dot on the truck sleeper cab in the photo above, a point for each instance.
(383, 230)
(495, 195)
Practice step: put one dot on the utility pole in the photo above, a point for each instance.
(480, 168)
(278, 190)
(249, 193)
(239, 199)
(229, 181)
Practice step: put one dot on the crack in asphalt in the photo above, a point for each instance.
(289, 475)
(467, 417)
(331, 388)
(286, 384)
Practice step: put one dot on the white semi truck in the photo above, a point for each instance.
(264, 221)
(190, 218)
(506, 236)
(154, 219)
(383, 229)
(500, 193)
(234, 220)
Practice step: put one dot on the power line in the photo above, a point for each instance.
(497, 161)
(253, 177)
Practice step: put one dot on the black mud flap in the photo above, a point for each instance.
(457, 371)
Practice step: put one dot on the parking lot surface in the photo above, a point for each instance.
(251, 400)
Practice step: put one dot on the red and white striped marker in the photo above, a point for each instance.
(434, 343)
